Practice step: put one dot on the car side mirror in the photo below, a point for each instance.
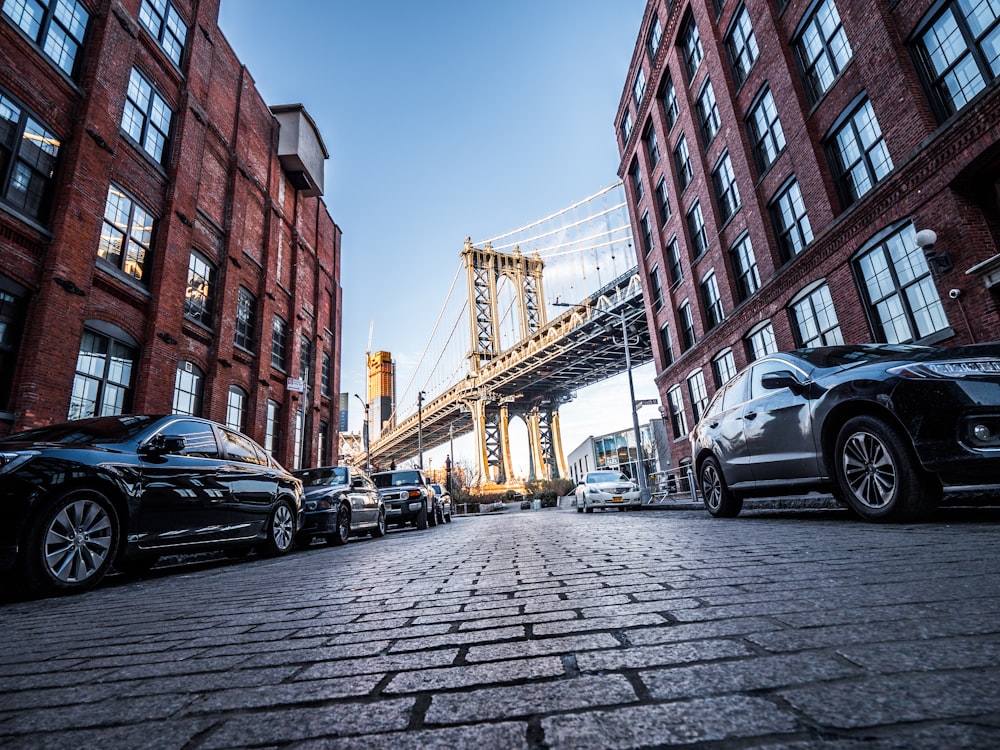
(357, 483)
(163, 444)
(772, 381)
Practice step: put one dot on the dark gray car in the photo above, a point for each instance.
(340, 502)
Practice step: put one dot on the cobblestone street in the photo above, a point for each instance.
(534, 629)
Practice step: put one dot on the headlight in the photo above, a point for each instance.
(10, 461)
(959, 368)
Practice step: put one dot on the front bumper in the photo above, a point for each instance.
(613, 499)
(401, 507)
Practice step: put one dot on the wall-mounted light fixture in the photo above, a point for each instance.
(938, 262)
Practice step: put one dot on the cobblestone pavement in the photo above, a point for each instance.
(535, 629)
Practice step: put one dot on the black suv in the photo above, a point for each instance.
(408, 497)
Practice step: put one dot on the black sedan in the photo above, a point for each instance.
(340, 502)
(883, 427)
(81, 497)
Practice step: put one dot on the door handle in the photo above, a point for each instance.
(750, 415)
(713, 425)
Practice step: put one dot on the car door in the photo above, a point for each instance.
(250, 481)
(181, 498)
(723, 428)
(362, 504)
(778, 428)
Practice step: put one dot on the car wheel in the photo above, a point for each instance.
(440, 515)
(447, 518)
(587, 508)
(379, 530)
(432, 517)
(579, 505)
(878, 474)
(71, 543)
(280, 531)
(421, 522)
(720, 501)
(343, 531)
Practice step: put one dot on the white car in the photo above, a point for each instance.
(606, 489)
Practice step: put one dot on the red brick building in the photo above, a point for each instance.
(163, 243)
(780, 162)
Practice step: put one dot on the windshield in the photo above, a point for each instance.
(396, 478)
(838, 356)
(327, 477)
(606, 476)
(86, 431)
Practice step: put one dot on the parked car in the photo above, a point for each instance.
(444, 503)
(606, 488)
(81, 497)
(340, 502)
(884, 427)
(408, 497)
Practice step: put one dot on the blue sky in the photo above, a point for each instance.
(445, 119)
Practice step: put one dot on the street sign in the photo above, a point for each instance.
(295, 384)
(647, 402)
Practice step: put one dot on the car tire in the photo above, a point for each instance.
(71, 543)
(342, 533)
(378, 531)
(421, 522)
(432, 517)
(719, 500)
(447, 518)
(579, 505)
(879, 476)
(280, 531)
(588, 508)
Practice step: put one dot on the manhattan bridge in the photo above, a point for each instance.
(531, 317)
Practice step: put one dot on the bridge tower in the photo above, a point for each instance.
(491, 413)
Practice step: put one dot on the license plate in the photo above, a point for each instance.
(617, 499)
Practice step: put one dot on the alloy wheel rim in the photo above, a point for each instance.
(343, 522)
(711, 486)
(78, 541)
(869, 470)
(283, 527)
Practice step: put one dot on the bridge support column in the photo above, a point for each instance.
(505, 463)
(546, 443)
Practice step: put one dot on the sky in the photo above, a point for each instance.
(446, 119)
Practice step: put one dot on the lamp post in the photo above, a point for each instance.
(420, 429)
(365, 437)
(643, 486)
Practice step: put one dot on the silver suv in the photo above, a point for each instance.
(409, 497)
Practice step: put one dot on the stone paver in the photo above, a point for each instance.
(543, 630)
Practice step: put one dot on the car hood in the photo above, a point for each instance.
(311, 493)
(624, 486)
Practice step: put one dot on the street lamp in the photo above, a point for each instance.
(368, 447)
(643, 486)
(420, 428)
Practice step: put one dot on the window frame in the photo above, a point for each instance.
(652, 145)
(804, 303)
(682, 163)
(279, 343)
(843, 173)
(722, 376)
(698, 394)
(237, 403)
(707, 106)
(193, 398)
(814, 72)
(767, 145)
(46, 43)
(697, 231)
(762, 333)
(655, 37)
(668, 99)
(666, 345)
(662, 200)
(117, 343)
(727, 191)
(655, 288)
(674, 265)
(712, 300)
(747, 277)
(157, 149)
(16, 160)
(675, 407)
(792, 238)
(157, 21)
(245, 323)
(646, 233)
(685, 317)
(199, 298)
(692, 51)
(741, 45)
(144, 240)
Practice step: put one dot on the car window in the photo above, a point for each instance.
(606, 476)
(240, 448)
(199, 438)
(736, 391)
(323, 477)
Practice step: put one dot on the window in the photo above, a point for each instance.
(271, 426)
(199, 438)
(323, 436)
(13, 305)
(102, 385)
(898, 289)
(696, 230)
(626, 127)
(28, 153)
(652, 147)
(791, 223)
(744, 267)
(236, 409)
(678, 421)
(646, 231)
(57, 26)
(200, 289)
(306, 364)
(279, 341)
(960, 51)
(687, 325)
(297, 444)
(708, 112)
(698, 393)
(188, 386)
(674, 262)
(823, 48)
(814, 321)
(164, 23)
(638, 87)
(636, 174)
(766, 135)
(324, 375)
(723, 367)
(691, 46)
(655, 37)
(761, 341)
(712, 301)
(682, 162)
(726, 191)
(126, 234)
(146, 117)
(860, 156)
(662, 200)
(665, 346)
(668, 96)
(741, 44)
(655, 292)
(246, 317)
